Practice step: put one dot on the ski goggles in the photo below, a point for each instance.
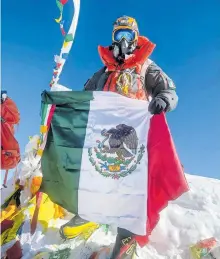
(128, 34)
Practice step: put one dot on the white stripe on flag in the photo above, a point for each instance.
(121, 202)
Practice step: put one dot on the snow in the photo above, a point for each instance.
(192, 217)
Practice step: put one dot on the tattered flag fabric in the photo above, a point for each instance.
(108, 160)
(68, 36)
(63, 1)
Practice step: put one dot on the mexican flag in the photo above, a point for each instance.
(107, 159)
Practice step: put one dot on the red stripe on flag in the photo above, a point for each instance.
(166, 179)
(53, 107)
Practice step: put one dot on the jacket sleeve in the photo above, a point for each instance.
(94, 82)
(158, 84)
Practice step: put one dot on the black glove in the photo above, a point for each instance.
(157, 105)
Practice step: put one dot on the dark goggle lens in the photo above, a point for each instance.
(128, 34)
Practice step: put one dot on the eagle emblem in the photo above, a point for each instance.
(118, 153)
(127, 82)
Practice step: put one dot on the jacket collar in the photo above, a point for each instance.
(139, 56)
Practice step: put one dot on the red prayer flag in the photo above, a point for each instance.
(63, 1)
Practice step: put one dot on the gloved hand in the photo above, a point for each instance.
(157, 105)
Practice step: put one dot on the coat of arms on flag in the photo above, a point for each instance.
(118, 153)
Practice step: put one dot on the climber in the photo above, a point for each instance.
(10, 151)
(128, 71)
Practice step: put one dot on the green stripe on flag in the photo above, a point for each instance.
(61, 160)
(43, 112)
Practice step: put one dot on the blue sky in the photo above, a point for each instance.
(187, 36)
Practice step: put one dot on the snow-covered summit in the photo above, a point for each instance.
(192, 217)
